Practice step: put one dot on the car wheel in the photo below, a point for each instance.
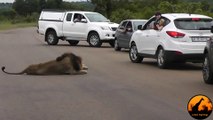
(207, 71)
(116, 46)
(133, 54)
(51, 38)
(161, 59)
(73, 42)
(94, 40)
(112, 43)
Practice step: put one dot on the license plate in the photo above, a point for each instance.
(200, 39)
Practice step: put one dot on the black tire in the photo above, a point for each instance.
(73, 42)
(94, 40)
(116, 46)
(133, 54)
(51, 38)
(207, 71)
(162, 59)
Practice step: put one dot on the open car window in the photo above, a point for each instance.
(123, 25)
(150, 23)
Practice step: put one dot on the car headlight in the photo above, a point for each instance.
(105, 28)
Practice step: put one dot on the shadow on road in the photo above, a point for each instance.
(177, 66)
(67, 45)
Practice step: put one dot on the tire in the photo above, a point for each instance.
(162, 59)
(133, 54)
(207, 71)
(112, 43)
(94, 40)
(73, 42)
(116, 46)
(51, 38)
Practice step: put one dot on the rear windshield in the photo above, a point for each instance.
(194, 23)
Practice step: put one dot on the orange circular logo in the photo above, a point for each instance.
(200, 107)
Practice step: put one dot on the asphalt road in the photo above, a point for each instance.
(113, 89)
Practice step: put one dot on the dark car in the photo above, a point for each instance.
(208, 62)
(124, 32)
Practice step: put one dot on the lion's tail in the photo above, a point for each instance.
(3, 69)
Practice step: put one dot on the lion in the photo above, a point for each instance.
(68, 63)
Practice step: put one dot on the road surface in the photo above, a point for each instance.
(113, 89)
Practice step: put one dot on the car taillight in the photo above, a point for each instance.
(195, 19)
(175, 34)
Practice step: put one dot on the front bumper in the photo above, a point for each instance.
(106, 35)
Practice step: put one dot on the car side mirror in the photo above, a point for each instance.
(83, 20)
(212, 29)
(140, 27)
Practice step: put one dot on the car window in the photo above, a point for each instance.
(150, 23)
(129, 26)
(193, 23)
(69, 16)
(78, 17)
(123, 25)
(137, 23)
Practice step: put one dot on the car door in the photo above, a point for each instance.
(149, 38)
(120, 33)
(67, 25)
(127, 34)
(78, 29)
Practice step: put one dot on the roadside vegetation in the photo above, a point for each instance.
(23, 13)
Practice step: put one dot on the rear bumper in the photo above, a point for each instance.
(179, 57)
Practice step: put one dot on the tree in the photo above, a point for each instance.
(105, 6)
(54, 4)
(19, 6)
(25, 7)
(166, 7)
(42, 5)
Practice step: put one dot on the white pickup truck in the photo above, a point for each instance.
(75, 26)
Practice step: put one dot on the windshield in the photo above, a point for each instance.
(137, 23)
(194, 24)
(96, 17)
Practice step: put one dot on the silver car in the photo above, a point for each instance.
(124, 32)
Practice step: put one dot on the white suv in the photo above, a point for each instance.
(182, 39)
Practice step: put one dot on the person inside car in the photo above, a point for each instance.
(158, 19)
(77, 18)
(160, 25)
(129, 27)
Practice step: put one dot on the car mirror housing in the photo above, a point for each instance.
(84, 20)
(140, 27)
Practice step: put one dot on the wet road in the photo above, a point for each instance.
(113, 89)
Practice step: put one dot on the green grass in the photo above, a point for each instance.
(9, 25)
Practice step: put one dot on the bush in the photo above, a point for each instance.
(7, 13)
(27, 19)
(121, 14)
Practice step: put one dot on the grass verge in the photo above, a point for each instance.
(8, 25)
